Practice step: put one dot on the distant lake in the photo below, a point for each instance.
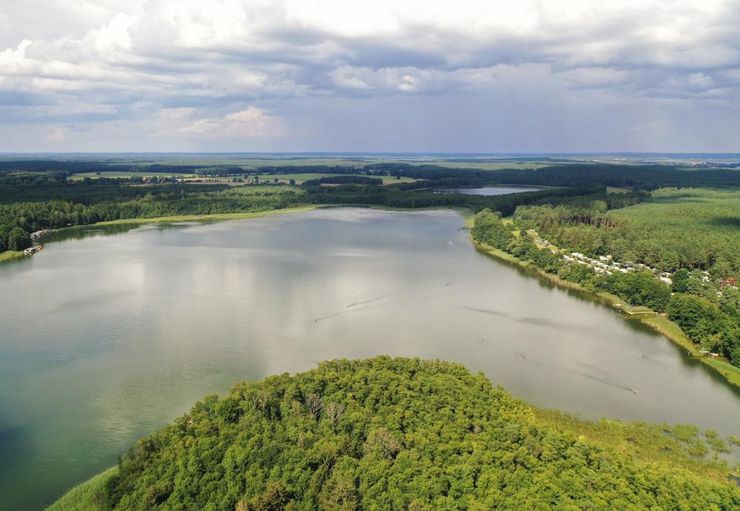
(489, 190)
(108, 335)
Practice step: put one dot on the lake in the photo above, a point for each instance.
(107, 335)
(490, 190)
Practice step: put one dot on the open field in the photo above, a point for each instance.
(96, 175)
(486, 164)
(252, 163)
(285, 178)
(228, 180)
(300, 178)
(617, 189)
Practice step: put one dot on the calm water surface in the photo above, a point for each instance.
(490, 190)
(105, 338)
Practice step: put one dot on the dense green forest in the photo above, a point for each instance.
(397, 434)
(693, 233)
(645, 177)
(672, 228)
(32, 201)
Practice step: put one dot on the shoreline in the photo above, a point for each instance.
(11, 255)
(653, 320)
(210, 217)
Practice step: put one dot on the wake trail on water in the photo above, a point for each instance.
(553, 324)
(357, 306)
(491, 312)
(371, 302)
(604, 381)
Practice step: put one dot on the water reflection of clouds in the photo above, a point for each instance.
(94, 300)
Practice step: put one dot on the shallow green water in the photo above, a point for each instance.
(104, 338)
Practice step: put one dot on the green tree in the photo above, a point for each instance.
(18, 239)
(680, 280)
(488, 228)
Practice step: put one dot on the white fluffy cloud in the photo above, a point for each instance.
(248, 123)
(254, 69)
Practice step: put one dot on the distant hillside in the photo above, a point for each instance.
(395, 434)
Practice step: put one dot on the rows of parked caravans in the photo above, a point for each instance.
(606, 264)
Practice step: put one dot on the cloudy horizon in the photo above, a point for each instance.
(330, 76)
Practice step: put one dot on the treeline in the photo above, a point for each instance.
(708, 313)
(15, 188)
(29, 205)
(430, 172)
(74, 166)
(388, 434)
(567, 174)
(635, 177)
(18, 220)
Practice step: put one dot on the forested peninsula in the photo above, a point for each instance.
(399, 434)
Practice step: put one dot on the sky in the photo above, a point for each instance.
(370, 76)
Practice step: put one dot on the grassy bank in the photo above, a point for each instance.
(124, 175)
(671, 330)
(9, 255)
(87, 496)
(652, 319)
(678, 445)
(205, 218)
